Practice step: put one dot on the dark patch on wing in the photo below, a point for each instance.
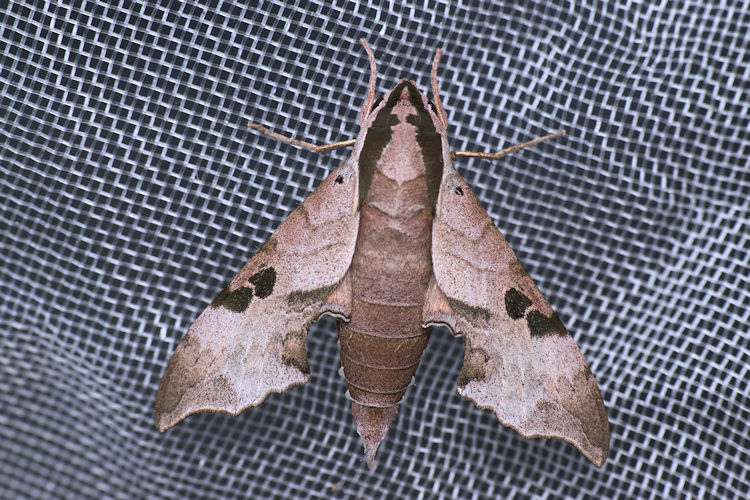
(541, 325)
(304, 297)
(236, 301)
(516, 303)
(264, 282)
(473, 315)
(239, 299)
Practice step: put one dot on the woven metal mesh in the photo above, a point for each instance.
(132, 190)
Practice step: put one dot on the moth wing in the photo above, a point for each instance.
(250, 341)
(520, 362)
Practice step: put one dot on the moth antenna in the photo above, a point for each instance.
(435, 94)
(302, 144)
(367, 106)
(512, 149)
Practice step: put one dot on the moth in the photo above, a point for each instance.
(392, 243)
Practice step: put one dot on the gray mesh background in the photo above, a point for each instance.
(132, 190)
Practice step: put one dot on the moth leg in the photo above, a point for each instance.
(512, 149)
(367, 106)
(435, 94)
(303, 144)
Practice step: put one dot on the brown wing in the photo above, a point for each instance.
(250, 341)
(520, 362)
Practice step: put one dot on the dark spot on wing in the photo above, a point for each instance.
(542, 326)
(264, 281)
(516, 303)
(459, 191)
(339, 179)
(236, 301)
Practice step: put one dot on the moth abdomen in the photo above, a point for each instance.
(377, 386)
(382, 352)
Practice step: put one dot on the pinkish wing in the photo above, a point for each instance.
(250, 341)
(520, 362)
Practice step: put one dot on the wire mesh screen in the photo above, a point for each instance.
(132, 191)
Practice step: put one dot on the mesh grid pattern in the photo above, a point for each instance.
(132, 190)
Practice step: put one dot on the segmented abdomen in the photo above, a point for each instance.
(382, 344)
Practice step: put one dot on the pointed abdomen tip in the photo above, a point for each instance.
(372, 426)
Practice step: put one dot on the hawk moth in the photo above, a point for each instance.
(391, 243)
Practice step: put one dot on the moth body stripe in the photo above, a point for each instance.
(379, 366)
(370, 390)
(378, 380)
(423, 333)
(370, 399)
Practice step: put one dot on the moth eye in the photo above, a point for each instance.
(339, 179)
(459, 191)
